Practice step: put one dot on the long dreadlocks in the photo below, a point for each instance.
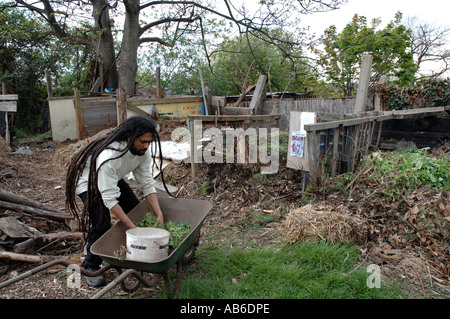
(128, 130)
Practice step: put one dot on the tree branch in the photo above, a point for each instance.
(50, 16)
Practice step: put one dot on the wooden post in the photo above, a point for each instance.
(380, 128)
(78, 114)
(194, 164)
(259, 95)
(8, 103)
(377, 106)
(121, 105)
(313, 141)
(158, 83)
(7, 137)
(363, 86)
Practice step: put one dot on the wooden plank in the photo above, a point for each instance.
(313, 146)
(233, 118)
(171, 100)
(349, 122)
(194, 164)
(231, 110)
(14, 228)
(78, 115)
(9, 97)
(402, 114)
(259, 95)
(363, 141)
(380, 128)
(10, 106)
(372, 129)
(137, 110)
(94, 104)
(335, 151)
(354, 146)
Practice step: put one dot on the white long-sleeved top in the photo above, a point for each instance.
(112, 171)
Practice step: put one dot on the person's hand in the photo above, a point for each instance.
(159, 220)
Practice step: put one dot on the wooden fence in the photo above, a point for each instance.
(335, 147)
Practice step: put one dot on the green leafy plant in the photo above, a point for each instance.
(177, 230)
(203, 189)
(412, 168)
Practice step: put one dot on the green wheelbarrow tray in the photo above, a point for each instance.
(191, 211)
(174, 209)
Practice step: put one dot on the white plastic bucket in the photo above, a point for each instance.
(147, 244)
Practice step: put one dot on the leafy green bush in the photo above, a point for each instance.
(428, 93)
(410, 169)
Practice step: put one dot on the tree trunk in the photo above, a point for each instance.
(104, 45)
(130, 45)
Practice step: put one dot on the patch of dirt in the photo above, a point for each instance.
(409, 246)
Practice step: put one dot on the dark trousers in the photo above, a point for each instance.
(101, 223)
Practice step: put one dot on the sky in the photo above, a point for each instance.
(431, 11)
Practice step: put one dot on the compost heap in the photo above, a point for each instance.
(396, 206)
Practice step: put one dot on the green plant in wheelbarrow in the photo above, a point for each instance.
(177, 230)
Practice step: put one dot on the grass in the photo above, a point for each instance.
(23, 138)
(303, 271)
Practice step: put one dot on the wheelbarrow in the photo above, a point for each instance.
(177, 210)
(174, 209)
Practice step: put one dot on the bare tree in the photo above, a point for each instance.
(429, 46)
(169, 21)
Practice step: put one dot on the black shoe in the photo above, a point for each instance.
(96, 281)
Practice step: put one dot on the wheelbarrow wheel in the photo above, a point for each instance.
(188, 257)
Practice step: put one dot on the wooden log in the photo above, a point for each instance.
(6, 255)
(59, 235)
(19, 199)
(243, 95)
(31, 242)
(24, 246)
(35, 211)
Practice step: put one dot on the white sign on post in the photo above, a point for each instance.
(9, 104)
(298, 153)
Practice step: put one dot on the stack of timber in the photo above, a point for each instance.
(19, 241)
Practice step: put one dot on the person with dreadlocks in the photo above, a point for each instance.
(96, 175)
